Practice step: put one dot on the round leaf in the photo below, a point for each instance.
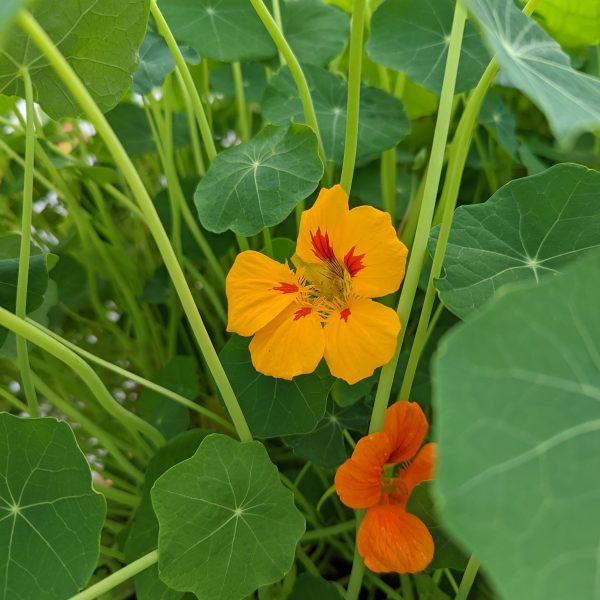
(50, 518)
(517, 399)
(274, 407)
(413, 36)
(573, 23)
(156, 62)
(530, 228)
(382, 122)
(224, 30)
(227, 525)
(99, 38)
(258, 184)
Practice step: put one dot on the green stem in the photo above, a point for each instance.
(117, 578)
(324, 532)
(358, 567)
(188, 82)
(407, 587)
(13, 400)
(353, 106)
(278, 20)
(240, 98)
(25, 249)
(388, 182)
(80, 93)
(295, 69)
(268, 241)
(116, 495)
(419, 248)
(192, 127)
(467, 580)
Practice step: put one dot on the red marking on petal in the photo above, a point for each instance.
(322, 247)
(353, 263)
(302, 312)
(345, 314)
(286, 288)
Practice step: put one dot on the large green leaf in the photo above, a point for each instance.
(274, 407)
(258, 184)
(413, 36)
(224, 30)
(50, 518)
(227, 525)
(573, 23)
(382, 122)
(530, 228)
(143, 536)
(517, 399)
(535, 64)
(316, 31)
(99, 38)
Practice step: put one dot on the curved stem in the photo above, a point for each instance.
(25, 249)
(80, 93)
(417, 254)
(353, 106)
(295, 69)
(118, 577)
(467, 580)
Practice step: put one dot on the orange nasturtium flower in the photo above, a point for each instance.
(384, 469)
(323, 307)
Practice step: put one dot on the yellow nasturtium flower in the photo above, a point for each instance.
(323, 307)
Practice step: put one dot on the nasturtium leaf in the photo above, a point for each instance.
(345, 394)
(143, 536)
(223, 30)
(530, 228)
(283, 249)
(227, 525)
(8, 13)
(254, 79)
(156, 62)
(274, 407)
(535, 64)
(382, 122)
(99, 39)
(517, 390)
(498, 119)
(573, 23)
(316, 32)
(50, 517)
(310, 586)
(413, 36)
(179, 375)
(325, 445)
(258, 184)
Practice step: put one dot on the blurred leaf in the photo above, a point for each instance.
(156, 62)
(258, 184)
(530, 228)
(227, 31)
(227, 525)
(308, 586)
(498, 119)
(99, 39)
(345, 394)
(536, 65)
(50, 518)
(254, 78)
(517, 390)
(573, 23)
(8, 13)
(382, 123)
(413, 36)
(274, 407)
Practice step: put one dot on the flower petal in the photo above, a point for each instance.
(422, 468)
(320, 226)
(372, 252)
(359, 338)
(258, 289)
(358, 480)
(406, 425)
(290, 345)
(390, 539)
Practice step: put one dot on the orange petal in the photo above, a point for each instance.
(406, 425)
(321, 225)
(359, 338)
(358, 480)
(390, 539)
(422, 468)
(372, 252)
(258, 289)
(290, 345)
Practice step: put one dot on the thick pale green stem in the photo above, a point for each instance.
(353, 105)
(80, 93)
(358, 567)
(117, 578)
(419, 249)
(240, 98)
(295, 69)
(25, 249)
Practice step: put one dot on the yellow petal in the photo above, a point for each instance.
(372, 252)
(290, 345)
(258, 288)
(360, 338)
(321, 225)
